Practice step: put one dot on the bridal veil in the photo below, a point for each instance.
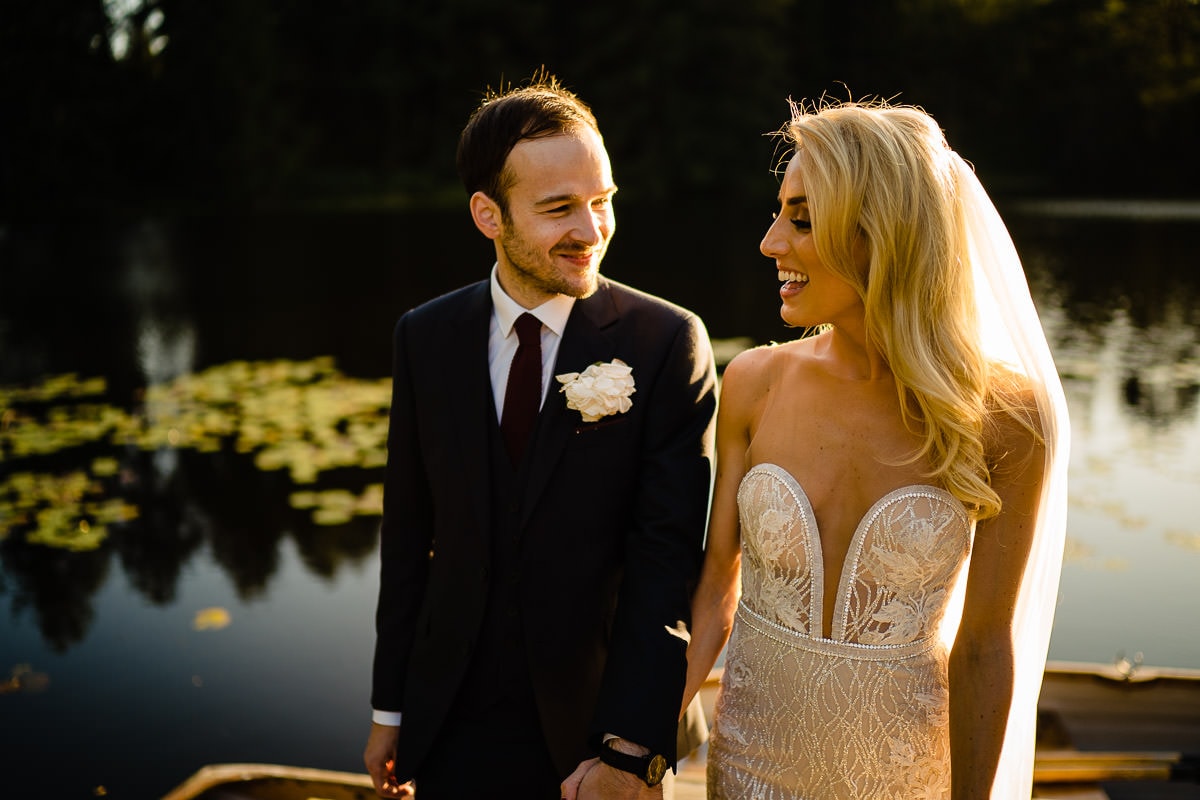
(1011, 332)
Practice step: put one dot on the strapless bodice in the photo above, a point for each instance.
(896, 580)
(864, 712)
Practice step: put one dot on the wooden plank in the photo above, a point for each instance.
(1070, 792)
(1074, 766)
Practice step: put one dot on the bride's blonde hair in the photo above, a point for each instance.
(884, 173)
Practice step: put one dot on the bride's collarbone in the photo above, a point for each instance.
(841, 449)
(817, 410)
(812, 367)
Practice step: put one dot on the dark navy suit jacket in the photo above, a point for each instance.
(612, 525)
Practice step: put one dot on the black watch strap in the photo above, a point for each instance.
(650, 768)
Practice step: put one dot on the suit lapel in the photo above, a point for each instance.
(468, 392)
(585, 341)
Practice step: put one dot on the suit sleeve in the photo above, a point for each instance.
(405, 535)
(647, 661)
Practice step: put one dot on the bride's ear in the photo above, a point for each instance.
(487, 215)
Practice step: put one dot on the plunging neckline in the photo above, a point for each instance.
(816, 557)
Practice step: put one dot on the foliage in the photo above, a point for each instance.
(260, 103)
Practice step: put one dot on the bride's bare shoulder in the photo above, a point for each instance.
(1014, 422)
(750, 376)
(759, 365)
(747, 377)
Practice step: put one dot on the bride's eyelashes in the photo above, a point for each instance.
(798, 224)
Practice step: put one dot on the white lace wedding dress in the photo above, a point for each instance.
(864, 713)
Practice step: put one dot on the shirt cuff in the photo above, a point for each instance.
(389, 718)
(631, 748)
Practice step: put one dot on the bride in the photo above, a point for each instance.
(887, 521)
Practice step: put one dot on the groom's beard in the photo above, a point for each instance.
(540, 271)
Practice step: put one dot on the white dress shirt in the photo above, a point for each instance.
(503, 341)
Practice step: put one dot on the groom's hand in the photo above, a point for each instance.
(593, 780)
(380, 759)
(609, 783)
(570, 787)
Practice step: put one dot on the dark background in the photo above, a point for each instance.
(252, 104)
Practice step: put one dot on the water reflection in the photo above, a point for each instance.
(154, 291)
(84, 478)
(23, 678)
(169, 451)
(1119, 298)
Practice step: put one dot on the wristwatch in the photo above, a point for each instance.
(650, 768)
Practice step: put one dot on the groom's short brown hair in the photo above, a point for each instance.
(543, 107)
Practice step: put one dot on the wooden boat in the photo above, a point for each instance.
(272, 782)
(1097, 725)
(1104, 724)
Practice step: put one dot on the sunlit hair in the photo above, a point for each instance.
(884, 173)
(540, 108)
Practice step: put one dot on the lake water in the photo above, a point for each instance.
(188, 524)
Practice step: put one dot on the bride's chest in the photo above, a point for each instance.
(908, 548)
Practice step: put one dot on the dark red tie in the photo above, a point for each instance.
(523, 395)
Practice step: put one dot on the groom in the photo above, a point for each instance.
(539, 547)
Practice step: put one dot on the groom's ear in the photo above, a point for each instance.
(487, 215)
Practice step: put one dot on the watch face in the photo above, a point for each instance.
(655, 770)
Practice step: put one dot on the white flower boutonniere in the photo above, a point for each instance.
(600, 390)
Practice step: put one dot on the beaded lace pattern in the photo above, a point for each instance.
(864, 713)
